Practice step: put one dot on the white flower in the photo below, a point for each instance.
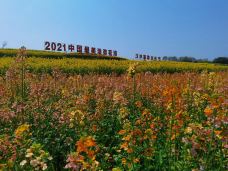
(22, 163)
(29, 150)
(50, 158)
(44, 167)
(38, 158)
(34, 163)
(29, 155)
(72, 113)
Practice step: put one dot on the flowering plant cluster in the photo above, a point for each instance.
(147, 121)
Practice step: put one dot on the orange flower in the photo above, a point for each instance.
(208, 112)
(221, 100)
(81, 147)
(173, 137)
(136, 160)
(94, 128)
(145, 112)
(165, 92)
(138, 104)
(138, 122)
(124, 146)
(91, 154)
(153, 137)
(215, 105)
(137, 132)
(152, 126)
(90, 142)
(127, 138)
(148, 152)
(218, 134)
(84, 143)
(145, 137)
(121, 132)
(130, 150)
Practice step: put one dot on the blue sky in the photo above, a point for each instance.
(197, 28)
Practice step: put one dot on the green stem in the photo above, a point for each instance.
(210, 155)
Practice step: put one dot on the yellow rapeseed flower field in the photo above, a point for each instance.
(85, 66)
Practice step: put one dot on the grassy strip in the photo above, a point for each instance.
(54, 55)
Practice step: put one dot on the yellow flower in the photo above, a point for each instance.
(63, 92)
(188, 130)
(118, 98)
(72, 114)
(29, 150)
(124, 161)
(127, 125)
(123, 112)
(132, 70)
(116, 169)
(2, 166)
(71, 125)
(21, 129)
(10, 163)
(218, 134)
(82, 123)
(149, 132)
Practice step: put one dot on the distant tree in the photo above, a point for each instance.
(165, 58)
(221, 60)
(172, 58)
(202, 60)
(187, 59)
(4, 44)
